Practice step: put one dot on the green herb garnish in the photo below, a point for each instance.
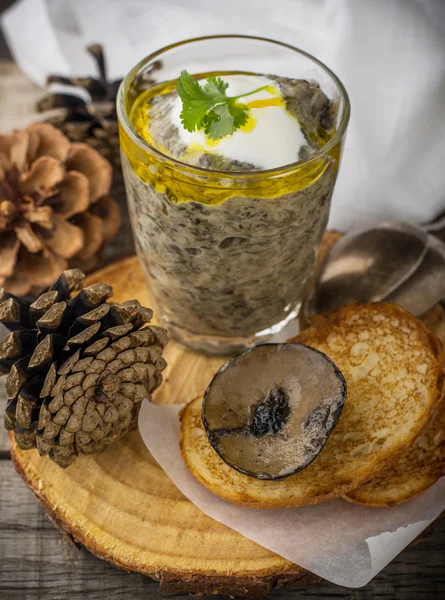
(208, 107)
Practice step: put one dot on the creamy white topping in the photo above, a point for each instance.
(272, 137)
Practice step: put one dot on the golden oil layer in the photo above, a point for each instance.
(185, 183)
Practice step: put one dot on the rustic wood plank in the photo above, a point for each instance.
(36, 562)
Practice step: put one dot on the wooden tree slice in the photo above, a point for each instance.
(122, 507)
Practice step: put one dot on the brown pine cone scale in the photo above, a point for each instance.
(78, 367)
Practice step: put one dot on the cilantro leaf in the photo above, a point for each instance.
(219, 122)
(225, 119)
(195, 102)
(240, 114)
(208, 107)
(215, 87)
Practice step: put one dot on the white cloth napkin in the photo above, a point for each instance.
(390, 55)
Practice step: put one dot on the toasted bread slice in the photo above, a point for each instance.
(413, 472)
(394, 372)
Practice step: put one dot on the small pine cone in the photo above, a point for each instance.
(78, 367)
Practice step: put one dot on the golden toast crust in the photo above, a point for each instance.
(414, 471)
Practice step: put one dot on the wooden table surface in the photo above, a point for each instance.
(36, 562)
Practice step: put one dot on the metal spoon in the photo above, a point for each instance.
(368, 265)
(426, 286)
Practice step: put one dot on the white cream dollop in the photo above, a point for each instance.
(275, 139)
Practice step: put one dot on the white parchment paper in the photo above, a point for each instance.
(336, 540)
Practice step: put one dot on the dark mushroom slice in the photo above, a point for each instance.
(269, 411)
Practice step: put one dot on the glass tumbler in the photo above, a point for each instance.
(226, 255)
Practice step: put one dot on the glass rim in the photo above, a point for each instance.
(125, 121)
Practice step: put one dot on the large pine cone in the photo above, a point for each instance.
(54, 207)
(77, 367)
